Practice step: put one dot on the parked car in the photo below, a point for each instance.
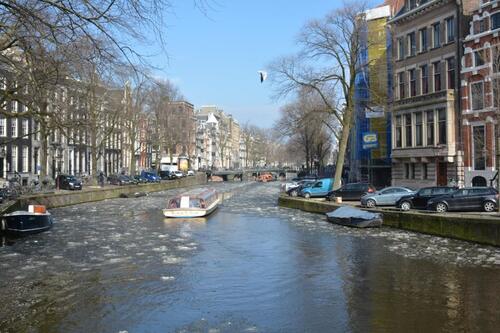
(178, 174)
(166, 175)
(120, 180)
(419, 199)
(464, 199)
(141, 179)
(190, 173)
(150, 176)
(385, 197)
(68, 182)
(351, 191)
(294, 191)
(319, 189)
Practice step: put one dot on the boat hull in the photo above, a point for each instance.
(190, 212)
(20, 225)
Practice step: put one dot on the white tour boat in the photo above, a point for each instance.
(195, 203)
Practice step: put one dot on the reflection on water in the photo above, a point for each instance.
(119, 265)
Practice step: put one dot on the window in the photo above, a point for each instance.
(479, 58)
(450, 29)
(399, 132)
(436, 35)
(495, 21)
(437, 76)
(3, 83)
(442, 126)
(479, 146)
(24, 159)
(13, 164)
(3, 126)
(495, 53)
(425, 191)
(418, 129)
(424, 84)
(496, 92)
(429, 117)
(25, 129)
(411, 4)
(408, 133)
(425, 171)
(13, 127)
(477, 96)
(423, 39)
(412, 170)
(413, 82)
(407, 170)
(412, 45)
(401, 49)
(450, 68)
(401, 79)
(15, 106)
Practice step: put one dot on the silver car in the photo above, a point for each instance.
(385, 197)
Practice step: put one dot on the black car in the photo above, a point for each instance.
(351, 191)
(121, 180)
(166, 175)
(68, 182)
(141, 179)
(464, 199)
(419, 199)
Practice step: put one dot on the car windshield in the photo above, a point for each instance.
(71, 178)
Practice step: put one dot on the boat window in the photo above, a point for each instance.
(194, 203)
(174, 203)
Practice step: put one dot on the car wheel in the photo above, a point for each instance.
(307, 195)
(371, 203)
(441, 207)
(294, 193)
(405, 205)
(489, 206)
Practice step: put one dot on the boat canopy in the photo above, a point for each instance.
(199, 198)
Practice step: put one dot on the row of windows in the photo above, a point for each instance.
(418, 129)
(19, 163)
(408, 81)
(409, 171)
(492, 22)
(25, 130)
(407, 46)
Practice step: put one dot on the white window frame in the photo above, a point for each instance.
(13, 158)
(474, 146)
(13, 126)
(3, 126)
(25, 158)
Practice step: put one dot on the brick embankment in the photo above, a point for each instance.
(484, 229)
(89, 194)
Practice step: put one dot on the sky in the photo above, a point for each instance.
(214, 57)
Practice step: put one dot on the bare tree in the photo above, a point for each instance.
(334, 41)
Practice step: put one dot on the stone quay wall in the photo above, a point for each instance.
(484, 229)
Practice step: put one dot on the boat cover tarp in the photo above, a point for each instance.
(354, 217)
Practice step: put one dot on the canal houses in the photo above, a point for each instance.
(426, 145)
(480, 94)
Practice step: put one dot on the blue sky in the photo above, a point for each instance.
(214, 57)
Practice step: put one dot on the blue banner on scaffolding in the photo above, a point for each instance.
(370, 140)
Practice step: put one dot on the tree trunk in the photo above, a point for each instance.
(342, 148)
(94, 152)
(497, 164)
(132, 153)
(43, 150)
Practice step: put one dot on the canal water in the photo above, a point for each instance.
(119, 266)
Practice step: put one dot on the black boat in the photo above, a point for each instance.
(353, 217)
(20, 223)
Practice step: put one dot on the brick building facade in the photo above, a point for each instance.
(480, 82)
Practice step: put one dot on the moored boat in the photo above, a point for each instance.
(353, 217)
(35, 220)
(196, 203)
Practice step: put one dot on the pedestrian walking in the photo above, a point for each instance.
(101, 179)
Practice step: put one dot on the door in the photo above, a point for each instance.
(421, 198)
(316, 190)
(442, 174)
(461, 200)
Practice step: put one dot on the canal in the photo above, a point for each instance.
(119, 266)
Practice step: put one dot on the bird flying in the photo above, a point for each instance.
(263, 76)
